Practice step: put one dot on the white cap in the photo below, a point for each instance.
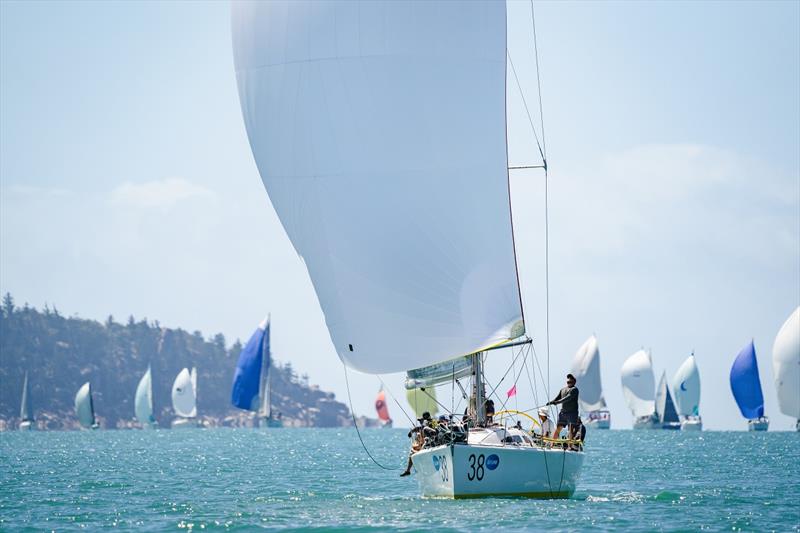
(543, 412)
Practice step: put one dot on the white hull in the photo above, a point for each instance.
(692, 424)
(598, 424)
(646, 422)
(26, 425)
(184, 423)
(597, 420)
(474, 471)
(758, 424)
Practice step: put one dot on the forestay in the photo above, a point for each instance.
(786, 365)
(379, 130)
(686, 385)
(586, 369)
(746, 384)
(638, 383)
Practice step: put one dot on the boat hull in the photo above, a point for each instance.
(26, 425)
(474, 471)
(268, 422)
(646, 422)
(692, 424)
(184, 423)
(758, 424)
(598, 424)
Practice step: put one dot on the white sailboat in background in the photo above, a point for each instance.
(143, 401)
(26, 421)
(586, 369)
(746, 388)
(686, 385)
(666, 413)
(84, 407)
(786, 367)
(384, 155)
(638, 387)
(184, 399)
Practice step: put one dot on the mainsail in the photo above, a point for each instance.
(746, 384)
(250, 381)
(84, 406)
(664, 406)
(638, 383)
(183, 394)
(686, 384)
(25, 410)
(379, 131)
(786, 365)
(586, 369)
(143, 401)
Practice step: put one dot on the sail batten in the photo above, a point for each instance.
(371, 155)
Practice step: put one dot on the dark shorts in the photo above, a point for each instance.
(565, 419)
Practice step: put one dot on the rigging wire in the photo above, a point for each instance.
(395, 400)
(527, 111)
(353, 414)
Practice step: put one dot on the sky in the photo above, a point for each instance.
(127, 185)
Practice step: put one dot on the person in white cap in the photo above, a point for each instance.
(545, 422)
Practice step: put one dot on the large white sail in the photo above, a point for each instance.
(183, 395)
(786, 365)
(143, 401)
(586, 369)
(379, 130)
(638, 383)
(686, 387)
(25, 410)
(84, 408)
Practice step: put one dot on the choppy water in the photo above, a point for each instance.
(300, 478)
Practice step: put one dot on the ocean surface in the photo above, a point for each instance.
(310, 478)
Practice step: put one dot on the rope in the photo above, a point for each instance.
(527, 111)
(353, 414)
(395, 400)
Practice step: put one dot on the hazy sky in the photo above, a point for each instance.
(127, 185)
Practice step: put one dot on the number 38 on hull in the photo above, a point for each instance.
(497, 462)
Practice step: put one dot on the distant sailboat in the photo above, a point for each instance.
(26, 421)
(251, 389)
(666, 414)
(586, 368)
(686, 385)
(746, 388)
(638, 386)
(382, 409)
(143, 401)
(786, 367)
(184, 399)
(84, 407)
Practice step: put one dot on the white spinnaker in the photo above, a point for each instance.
(83, 405)
(143, 401)
(379, 130)
(586, 369)
(638, 383)
(786, 365)
(183, 398)
(686, 388)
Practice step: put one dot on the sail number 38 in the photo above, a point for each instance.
(476, 469)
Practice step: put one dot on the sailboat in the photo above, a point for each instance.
(638, 386)
(26, 421)
(382, 409)
(184, 399)
(251, 389)
(746, 388)
(143, 401)
(379, 131)
(586, 369)
(686, 385)
(666, 413)
(786, 367)
(84, 407)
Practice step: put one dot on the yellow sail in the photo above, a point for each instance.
(422, 401)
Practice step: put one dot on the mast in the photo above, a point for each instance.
(478, 399)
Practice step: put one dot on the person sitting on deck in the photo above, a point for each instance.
(489, 412)
(417, 443)
(545, 422)
(568, 398)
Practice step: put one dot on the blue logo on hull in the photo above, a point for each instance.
(492, 462)
(436, 462)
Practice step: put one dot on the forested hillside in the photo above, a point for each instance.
(61, 353)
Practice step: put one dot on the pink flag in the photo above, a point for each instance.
(512, 391)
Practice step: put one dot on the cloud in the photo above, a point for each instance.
(162, 194)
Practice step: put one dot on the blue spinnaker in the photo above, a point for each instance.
(746, 385)
(247, 379)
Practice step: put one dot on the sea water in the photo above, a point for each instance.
(322, 478)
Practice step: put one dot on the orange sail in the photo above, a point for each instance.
(380, 406)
